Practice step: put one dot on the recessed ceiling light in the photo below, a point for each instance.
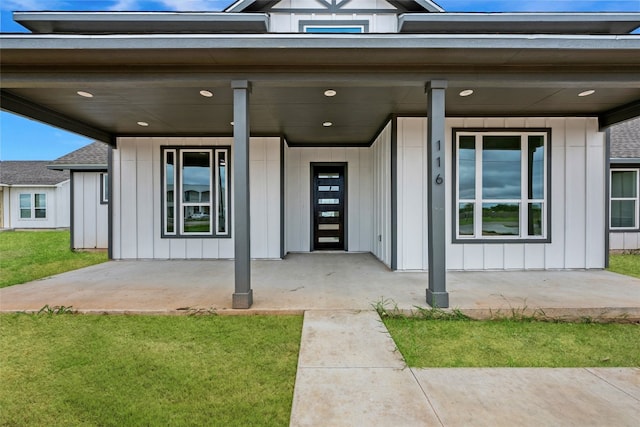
(231, 123)
(330, 92)
(587, 92)
(206, 93)
(143, 124)
(466, 92)
(85, 94)
(327, 124)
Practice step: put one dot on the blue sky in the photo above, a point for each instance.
(23, 139)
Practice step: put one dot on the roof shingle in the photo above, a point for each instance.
(30, 173)
(94, 154)
(625, 140)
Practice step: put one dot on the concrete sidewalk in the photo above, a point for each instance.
(350, 374)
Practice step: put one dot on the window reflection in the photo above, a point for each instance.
(500, 219)
(501, 167)
(467, 167)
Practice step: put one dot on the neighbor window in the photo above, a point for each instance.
(195, 191)
(624, 199)
(33, 206)
(104, 188)
(501, 184)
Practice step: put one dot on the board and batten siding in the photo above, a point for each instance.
(624, 240)
(289, 22)
(381, 148)
(137, 197)
(298, 195)
(90, 217)
(577, 199)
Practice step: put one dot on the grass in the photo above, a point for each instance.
(514, 343)
(66, 369)
(628, 264)
(32, 255)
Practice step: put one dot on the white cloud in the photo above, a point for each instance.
(31, 4)
(125, 5)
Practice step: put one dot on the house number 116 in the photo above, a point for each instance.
(439, 179)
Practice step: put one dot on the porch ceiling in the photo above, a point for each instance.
(133, 79)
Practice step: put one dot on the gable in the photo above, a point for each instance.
(335, 6)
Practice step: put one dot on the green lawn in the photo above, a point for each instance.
(62, 370)
(512, 343)
(628, 264)
(31, 255)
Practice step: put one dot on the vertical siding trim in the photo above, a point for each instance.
(71, 215)
(394, 192)
(282, 196)
(607, 194)
(110, 202)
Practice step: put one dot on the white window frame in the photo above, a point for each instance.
(478, 201)
(178, 190)
(636, 199)
(32, 207)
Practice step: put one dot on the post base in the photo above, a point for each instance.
(242, 301)
(438, 299)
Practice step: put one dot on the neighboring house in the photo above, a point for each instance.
(89, 195)
(32, 196)
(624, 197)
(432, 140)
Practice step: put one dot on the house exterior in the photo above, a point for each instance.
(89, 201)
(31, 196)
(436, 141)
(624, 216)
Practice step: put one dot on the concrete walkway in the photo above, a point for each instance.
(350, 374)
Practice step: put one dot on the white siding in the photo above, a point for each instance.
(137, 199)
(286, 22)
(577, 199)
(298, 195)
(624, 240)
(57, 202)
(90, 217)
(381, 247)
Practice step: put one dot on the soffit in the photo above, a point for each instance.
(162, 87)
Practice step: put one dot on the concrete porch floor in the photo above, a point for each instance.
(321, 281)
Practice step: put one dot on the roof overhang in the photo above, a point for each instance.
(519, 23)
(78, 167)
(156, 79)
(265, 5)
(142, 22)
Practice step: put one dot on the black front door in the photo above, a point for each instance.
(328, 207)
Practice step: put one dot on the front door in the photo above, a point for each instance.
(329, 199)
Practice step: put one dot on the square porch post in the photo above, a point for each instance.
(437, 295)
(243, 295)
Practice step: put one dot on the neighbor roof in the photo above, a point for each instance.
(90, 157)
(625, 140)
(30, 173)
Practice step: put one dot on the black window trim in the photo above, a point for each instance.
(178, 148)
(479, 240)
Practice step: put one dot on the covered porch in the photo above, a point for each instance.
(322, 281)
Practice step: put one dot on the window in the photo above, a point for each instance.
(33, 206)
(334, 26)
(195, 191)
(104, 188)
(501, 184)
(624, 199)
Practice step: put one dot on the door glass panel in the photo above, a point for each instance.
(329, 175)
(329, 201)
(169, 191)
(196, 175)
(222, 192)
(329, 214)
(329, 188)
(500, 219)
(328, 239)
(328, 226)
(536, 167)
